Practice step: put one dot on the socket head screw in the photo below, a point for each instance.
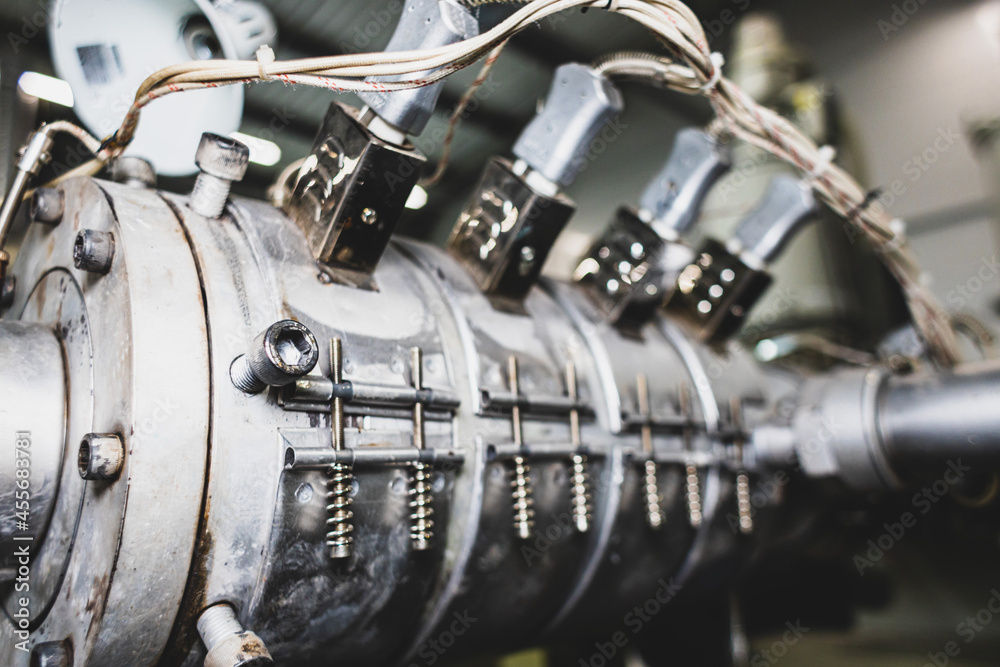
(222, 157)
(101, 456)
(94, 251)
(279, 356)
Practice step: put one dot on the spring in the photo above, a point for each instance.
(340, 480)
(421, 508)
(654, 515)
(523, 513)
(580, 487)
(743, 503)
(693, 495)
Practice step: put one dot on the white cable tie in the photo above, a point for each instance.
(718, 61)
(827, 154)
(265, 58)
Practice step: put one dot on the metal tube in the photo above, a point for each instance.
(926, 420)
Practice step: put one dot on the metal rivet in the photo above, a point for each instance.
(369, 216)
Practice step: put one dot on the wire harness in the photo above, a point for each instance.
(691, 67)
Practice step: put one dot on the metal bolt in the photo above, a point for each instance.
(369, 216)
(283, 353)
(133, 171)
(221, 160)
(47, 205)
(228, 644)
(94, 251)
(52, 654)
(101, 456)
(527, 260)
(7, 292)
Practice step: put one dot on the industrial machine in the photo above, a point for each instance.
(241, 434)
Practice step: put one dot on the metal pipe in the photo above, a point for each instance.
(926, 420)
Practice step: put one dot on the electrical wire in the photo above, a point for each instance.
(691, 68)
(458, 114)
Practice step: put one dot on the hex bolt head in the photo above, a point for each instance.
(101, 456)
(94, 251)
(47, 206)
(279, 356)
(221, 160)
(228, 644)
(52, 654)
(133, 171)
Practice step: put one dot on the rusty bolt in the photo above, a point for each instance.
(228, 644)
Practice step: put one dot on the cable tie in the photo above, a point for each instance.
(718, 61)
(827, 154)
(265, 58)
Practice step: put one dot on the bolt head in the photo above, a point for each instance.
(133, 171)
(283, 353)
(8, 290)
(47, 206)
(52, 654)
(94, 251)
(101, 456)
(222, 157)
